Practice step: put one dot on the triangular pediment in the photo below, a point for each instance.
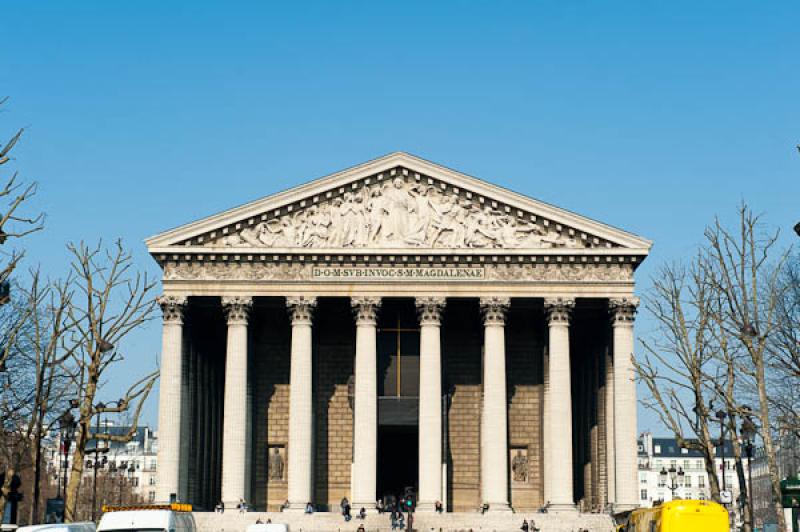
(400, 203)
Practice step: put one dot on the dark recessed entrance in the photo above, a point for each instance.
(398, 453)
(398, 405)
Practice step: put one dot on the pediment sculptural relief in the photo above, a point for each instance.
(399, 214)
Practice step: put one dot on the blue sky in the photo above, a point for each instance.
(650, 116)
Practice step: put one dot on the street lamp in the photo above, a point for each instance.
(675, 478)
(721, 415)
(99, 408)
(749, 435)
(66, 425)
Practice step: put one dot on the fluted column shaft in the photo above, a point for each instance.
(301, 435)
(560, 404)
(234, 433)
(494, 422)
(623, 313)
(547, 450)
(365, 426)
(611, 466)
(171, 400)
(430, 402)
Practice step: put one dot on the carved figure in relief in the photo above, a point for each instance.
(276, 465)
(519, 467)
(397, 214)
(398, 205)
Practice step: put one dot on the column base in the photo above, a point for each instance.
(356, 507)
(499, 508)
(562, 508)
(296, 507)
(426, 506)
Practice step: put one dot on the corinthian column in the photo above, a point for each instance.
(430, 401)
(170, 402)
(559, 404)
(365, 426)
(494, 422)
(623, 313)
(301, 437)
(234, 433)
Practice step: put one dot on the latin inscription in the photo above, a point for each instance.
(382, 273)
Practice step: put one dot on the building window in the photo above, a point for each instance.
(643, 478)
(135, 482)
(151, 496)
(643, 495)
(152, 481)
(701, 482)
(687, 481)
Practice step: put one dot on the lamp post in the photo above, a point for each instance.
(99, 408)
(748, 434)
(675, 478)
(721, 415)
(66, 425)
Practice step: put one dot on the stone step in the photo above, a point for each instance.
(232, 521)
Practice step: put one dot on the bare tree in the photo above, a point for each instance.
(744, 269)
(111, 300)
(37, 378)
(13, 223)
(679, 357)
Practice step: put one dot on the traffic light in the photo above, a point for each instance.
(411, 502)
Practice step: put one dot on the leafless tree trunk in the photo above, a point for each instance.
(677, 360)
(111, 301)
(744, 270)
(39, 377)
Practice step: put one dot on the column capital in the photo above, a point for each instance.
(237, 309)
(559, 309)
(172, 307)
(623, 310)
(494, 309)
(366, 309)
(429, 309)
(301, 309)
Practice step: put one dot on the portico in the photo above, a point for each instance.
(398, 293)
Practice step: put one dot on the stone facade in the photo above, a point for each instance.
(521, 341)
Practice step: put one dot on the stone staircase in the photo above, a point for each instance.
(233, 521)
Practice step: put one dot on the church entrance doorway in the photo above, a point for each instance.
(398, 404)
(398, 454)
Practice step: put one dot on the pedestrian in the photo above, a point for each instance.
(524, 526)
(379, 506)
(309, 508)
(361, 528)
(220, 507)
(439, 507)
(362, 513)
(259, 521)
(393, 517)
(400, 521)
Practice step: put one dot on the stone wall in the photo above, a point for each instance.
(525, 334)
(462, 340)
(270, 336)
(333, 430)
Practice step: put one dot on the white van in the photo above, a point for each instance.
(87, 526)
(158, 518)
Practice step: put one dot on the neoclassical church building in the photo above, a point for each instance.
(398, 324)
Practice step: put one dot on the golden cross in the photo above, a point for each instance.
(398, 330)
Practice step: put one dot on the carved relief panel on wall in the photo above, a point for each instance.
(399, 214)
(276, 463)
(519, 465)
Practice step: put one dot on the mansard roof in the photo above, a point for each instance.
(398, 203)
